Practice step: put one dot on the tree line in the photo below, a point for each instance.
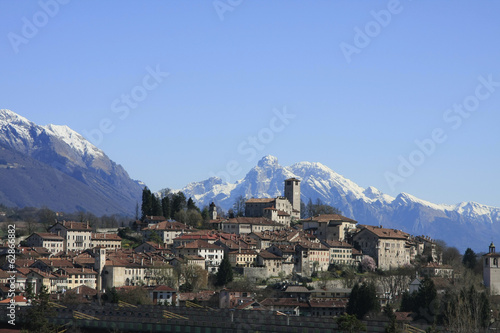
(173, 206)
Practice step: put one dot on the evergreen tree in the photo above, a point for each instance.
(147, 205)
(205, 214)
(191, 205)
(485, 312)
(28, 292)
(225, 273)
(166, 207)
(37, 315)
(178, 203)
(425, 300)
(363, 300)
(112, 295)
(469, 260)
(407, 302)
(155, 238)
(349, 323)
(389, 312)
(156, 209)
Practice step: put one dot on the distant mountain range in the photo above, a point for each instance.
(467, 224)
(56, 167)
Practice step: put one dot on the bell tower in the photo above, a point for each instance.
(292, 193)
(491, 270)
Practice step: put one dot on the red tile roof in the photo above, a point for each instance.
(106, 236)
(167, 226)
(199, 244)
(260, 200)
(49, 236)
(329, 217)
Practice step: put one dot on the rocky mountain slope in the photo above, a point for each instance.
(56, 167)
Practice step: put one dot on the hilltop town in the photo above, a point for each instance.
(264, 257)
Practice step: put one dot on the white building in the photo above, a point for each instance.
(77, 235)
(212, 253)
(52, 242)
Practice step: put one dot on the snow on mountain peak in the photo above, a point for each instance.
(10, 117)
(268, 160)
(74, 140)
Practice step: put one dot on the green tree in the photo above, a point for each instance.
(193, 218)
(181, 216)
(28, 292)
(191, 205)
(407, 302)
(425, 300)
(225, 273)
(135, 296)
(363, 300)
(155, 238)
(350, 323)
(113, 296)
(38, 314)
(156, 208)
(469, 259)
(166, 207)
(178, 203)
(147, 204)
(389, 312)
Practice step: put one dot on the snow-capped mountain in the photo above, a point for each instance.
(68, 168)
(466, 224)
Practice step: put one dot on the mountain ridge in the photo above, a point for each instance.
(366, 205)
(62, 149)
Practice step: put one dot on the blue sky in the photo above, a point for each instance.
(360, 81)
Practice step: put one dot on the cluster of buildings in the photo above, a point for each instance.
(263, 244)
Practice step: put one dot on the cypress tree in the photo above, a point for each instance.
(165, 205)
(147, 204)
(191, 204)
(469, 260)
(156, 208)
(225, 273)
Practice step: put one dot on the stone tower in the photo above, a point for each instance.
(99, 263)
(491, 270)
(212, 211)
(292, 193)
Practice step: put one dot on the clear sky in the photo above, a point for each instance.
(350, 84)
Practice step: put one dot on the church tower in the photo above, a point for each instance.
(99, 263)
(212, 211)
(491, 270)
(292, 193)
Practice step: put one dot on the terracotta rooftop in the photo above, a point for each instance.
(252, 220)
(386, 233)
(106, 236)
(70, 225)
(260, 200)
(167, 225)
(199, 244)
(49, 236)
(336, 243)
(268, 255)
(325, 218)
